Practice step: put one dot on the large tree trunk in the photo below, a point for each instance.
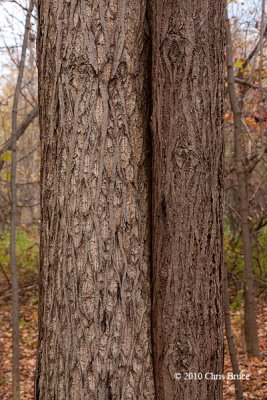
(250, 323)
(188, 42)
(94, 328)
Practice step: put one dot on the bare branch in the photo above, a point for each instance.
(17, 134)
(256, 48)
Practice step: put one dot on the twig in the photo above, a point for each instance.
(5, 275)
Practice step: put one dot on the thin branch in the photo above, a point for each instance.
(256, 48)
(246, 83)
(17, 134)
(5, 275)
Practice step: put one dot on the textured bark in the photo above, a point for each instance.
(250, 320)
(94, 328)
(187, 47)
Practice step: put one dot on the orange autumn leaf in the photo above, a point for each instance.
(228, 117)
(250, 122)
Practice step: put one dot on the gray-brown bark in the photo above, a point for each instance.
(94, 327)
(187, 45)
(250, 320)
(13, 218)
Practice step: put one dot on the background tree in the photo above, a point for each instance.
(19, 246)
(251, 334)
(230, 339)
(13, 219)
(245, 211)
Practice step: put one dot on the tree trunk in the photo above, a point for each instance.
(187, 45)
(13, 217)
(14, 277)
(250, 323)
(95, 301)
(230, 339)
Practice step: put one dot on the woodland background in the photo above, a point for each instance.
(19, 188)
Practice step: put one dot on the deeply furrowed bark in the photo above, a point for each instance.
(94, 327)
(187, 45)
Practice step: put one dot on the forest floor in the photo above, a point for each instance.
(254, 389)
